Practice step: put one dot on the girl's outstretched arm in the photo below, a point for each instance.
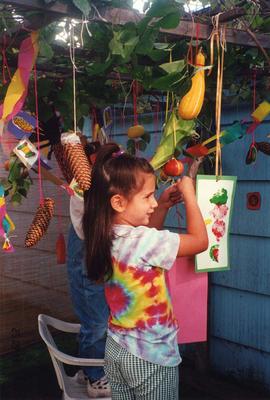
(196, 239)
(168, 198)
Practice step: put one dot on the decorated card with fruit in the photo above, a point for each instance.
(215, 199)
(26, 152)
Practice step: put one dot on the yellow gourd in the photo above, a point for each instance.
(191, 104)
(135, 131)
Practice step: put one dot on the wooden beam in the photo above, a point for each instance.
(187, 29)
(121, 16)
(55, 7)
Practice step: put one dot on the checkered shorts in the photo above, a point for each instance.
(132, 378)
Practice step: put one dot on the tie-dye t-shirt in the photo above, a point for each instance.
(141, 318)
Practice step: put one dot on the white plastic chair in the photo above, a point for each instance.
(72, 390)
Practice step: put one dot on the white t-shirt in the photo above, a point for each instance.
(76, 208)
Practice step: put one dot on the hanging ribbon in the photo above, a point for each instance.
(6, 224)
(168, 94)
(41, 196)
(17, 89)
(218, 37)
(5, 63)
(135, 92)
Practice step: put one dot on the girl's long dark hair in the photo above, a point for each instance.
(111, 174)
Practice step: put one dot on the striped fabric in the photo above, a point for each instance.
(132, 378)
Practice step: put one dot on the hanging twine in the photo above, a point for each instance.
(218, 35)
(5, 66)
(135, 92)
(72, 58)
(168, 93)
(41, 196)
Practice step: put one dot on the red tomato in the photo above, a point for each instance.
(173, 167)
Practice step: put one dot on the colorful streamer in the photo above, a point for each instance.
(17, 89)
(6, 224)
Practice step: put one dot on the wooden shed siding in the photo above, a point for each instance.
(240, 298)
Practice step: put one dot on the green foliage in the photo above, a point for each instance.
(83, 5)
(18, 183)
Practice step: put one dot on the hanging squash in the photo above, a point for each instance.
(191, 104)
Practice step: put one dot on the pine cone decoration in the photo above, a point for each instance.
(60, 156)
(264, 147)
(40, 222)
(78, 164)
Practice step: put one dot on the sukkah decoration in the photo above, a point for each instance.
(40, 223)
(22, 125)
(136, 130)
(76, 159)
(59, 153)
(6, 224)
(17, 89)
(215, 199)
(60, 249)
(176, 132)
(191, 104)
(216, 189)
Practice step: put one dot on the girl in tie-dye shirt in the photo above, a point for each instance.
(127, 249)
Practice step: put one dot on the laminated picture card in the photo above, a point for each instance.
(215, 198)
(26, 152)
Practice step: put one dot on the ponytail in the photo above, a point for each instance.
(113, 172)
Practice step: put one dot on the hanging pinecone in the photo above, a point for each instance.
(264, 147)
(40, 222)
(77, 160)
(60, 156)
(79, 165)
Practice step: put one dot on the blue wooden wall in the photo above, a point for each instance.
(240, 298)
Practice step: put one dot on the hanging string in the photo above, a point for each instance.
(168, 93)
(72, 58)
(219, 36)
(135, 91)
(156, 121)
(197, 37)
(5, 66)
(190, 47)
(41, 196)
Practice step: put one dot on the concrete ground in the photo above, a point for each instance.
(40, 384)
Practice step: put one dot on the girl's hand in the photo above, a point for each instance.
(170, 196)
(186, 187)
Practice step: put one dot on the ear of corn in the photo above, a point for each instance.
(191, 104)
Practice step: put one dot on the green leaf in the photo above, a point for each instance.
(83, 6)
(175, 133)
(146, 137)
(84, 109)
(147, 41)
(141, 145)
(160, 10)
(174, 66)
(22, 192)
(170, 21)
(16, 199)
(167, 82)
(96, 68)
(45, 50)
(161, 46)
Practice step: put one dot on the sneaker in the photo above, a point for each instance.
(80, 377)
(100, 388)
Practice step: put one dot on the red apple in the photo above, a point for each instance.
(173, 167)
(6, 165)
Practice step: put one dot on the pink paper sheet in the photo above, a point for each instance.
(189, 297)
